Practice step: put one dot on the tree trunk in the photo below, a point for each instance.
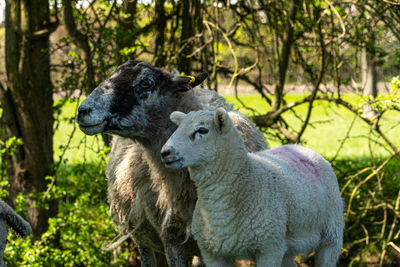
(198, 12)
(184, 63)
(285, 56)
(159, 51)
(369, 74)
(82, 42)
(28, 104)
(126, 26)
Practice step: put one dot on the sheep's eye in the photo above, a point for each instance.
(146, 84)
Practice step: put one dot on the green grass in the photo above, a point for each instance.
(81, 147)
(329, 126)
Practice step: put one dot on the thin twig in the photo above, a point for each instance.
(230, 49)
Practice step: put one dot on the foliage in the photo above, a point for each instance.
(7, 149)
(384, 102)
(76, 236)
(371, 199)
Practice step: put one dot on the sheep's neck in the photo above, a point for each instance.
(157, 134)
(176, 192)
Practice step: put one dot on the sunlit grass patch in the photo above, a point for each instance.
(333, 130)
(70, 143)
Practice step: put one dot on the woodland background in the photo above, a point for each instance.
(321, 73)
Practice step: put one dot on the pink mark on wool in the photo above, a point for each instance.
(298, 162)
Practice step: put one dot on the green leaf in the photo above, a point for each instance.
(73, 54)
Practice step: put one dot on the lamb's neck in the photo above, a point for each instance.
(224, 175)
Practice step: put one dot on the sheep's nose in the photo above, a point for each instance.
(83, 111)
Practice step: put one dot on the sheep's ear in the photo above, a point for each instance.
(180, 84)
(185, 83)
(177, 117)
(222, 120)
(198, 79)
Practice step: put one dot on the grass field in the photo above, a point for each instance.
(329, 127)
(80, 146)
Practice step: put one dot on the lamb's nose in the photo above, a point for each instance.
(165, 153)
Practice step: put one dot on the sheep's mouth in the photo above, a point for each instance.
(92, 129)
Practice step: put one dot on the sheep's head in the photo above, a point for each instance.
(132, 99)
(198, 138)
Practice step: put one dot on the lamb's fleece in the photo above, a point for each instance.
(9, 218)
(268, 206)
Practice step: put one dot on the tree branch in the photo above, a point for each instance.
(80, 40)
(318, 80)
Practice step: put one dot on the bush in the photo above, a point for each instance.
(83, 225)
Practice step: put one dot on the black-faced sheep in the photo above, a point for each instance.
(267, 206)
(9, 218)
(144, 196)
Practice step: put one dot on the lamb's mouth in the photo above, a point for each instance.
(174, 164)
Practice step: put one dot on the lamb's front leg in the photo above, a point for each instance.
(212, 261)
(271, 258)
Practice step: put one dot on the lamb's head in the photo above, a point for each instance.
(132, 99)
(199, 139)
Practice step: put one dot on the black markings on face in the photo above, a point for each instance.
(131, 84)
(124, 97)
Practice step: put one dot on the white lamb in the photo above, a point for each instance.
(267, 206)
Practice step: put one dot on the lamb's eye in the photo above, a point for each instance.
(202, 130)
(146, 84)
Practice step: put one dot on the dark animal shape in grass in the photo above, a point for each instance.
(9, 218)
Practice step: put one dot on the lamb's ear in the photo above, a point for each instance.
(177, 116)
(222, 120)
